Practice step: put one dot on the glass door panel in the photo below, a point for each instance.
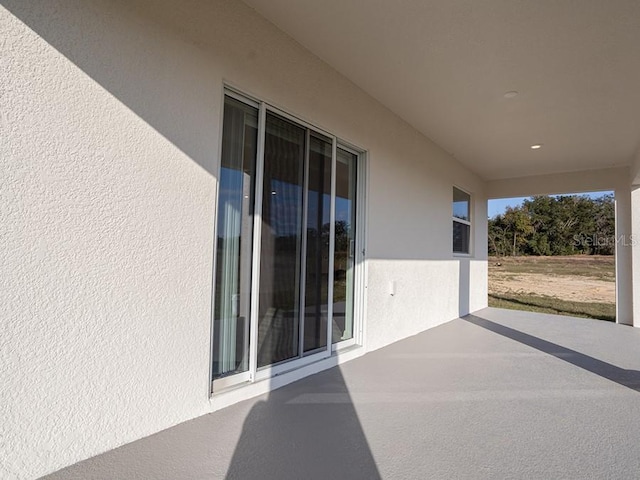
(344, 255)
(317, 252)
(275, 263)
(234, 239)
(281, 241)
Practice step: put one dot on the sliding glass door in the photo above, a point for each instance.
(281, 242)
(286, 258)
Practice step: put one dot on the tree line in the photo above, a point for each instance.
(558, 225)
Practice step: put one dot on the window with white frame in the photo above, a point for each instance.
(288, 277)
(461, 221)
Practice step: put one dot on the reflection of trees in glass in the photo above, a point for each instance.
(343, 234)
(341, 256)
(343, 240)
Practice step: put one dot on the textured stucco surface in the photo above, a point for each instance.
(105, 244)
(110, 115)
(500, 394)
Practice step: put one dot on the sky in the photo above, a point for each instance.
(497, 207)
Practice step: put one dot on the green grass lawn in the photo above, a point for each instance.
(601, 267)
(535, 303)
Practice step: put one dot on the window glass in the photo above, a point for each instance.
(461, 221)
(461, 233)
(461, 201)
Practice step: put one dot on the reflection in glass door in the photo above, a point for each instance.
(344, 256)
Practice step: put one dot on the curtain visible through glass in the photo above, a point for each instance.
(234, 239)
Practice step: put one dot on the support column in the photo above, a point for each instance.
(634, 241)
(624, 256)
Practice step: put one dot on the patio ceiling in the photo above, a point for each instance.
(444, 66)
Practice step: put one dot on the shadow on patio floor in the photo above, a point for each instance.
(627, 378)
(297, 434)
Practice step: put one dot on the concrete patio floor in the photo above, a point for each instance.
(498, 394)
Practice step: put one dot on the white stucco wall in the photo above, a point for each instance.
(110, 121)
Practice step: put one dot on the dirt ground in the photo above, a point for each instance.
(578, 279)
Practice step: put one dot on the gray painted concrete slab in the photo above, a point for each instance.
(498, 394)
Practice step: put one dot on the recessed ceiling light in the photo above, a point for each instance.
(273, 192)
(536, 146)
(511, 94)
